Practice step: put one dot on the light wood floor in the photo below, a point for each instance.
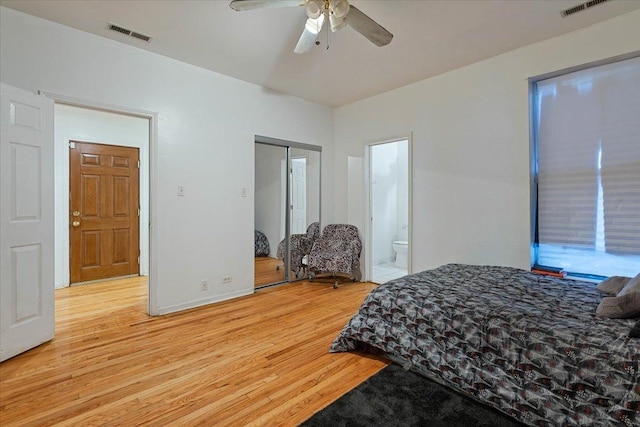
(265, 271)
(257, 360)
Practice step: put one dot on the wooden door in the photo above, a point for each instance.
(104, 211)
(26, 221)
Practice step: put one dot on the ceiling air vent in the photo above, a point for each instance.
(594, 2)
(581, 7)
(119, 29)
(140, 36)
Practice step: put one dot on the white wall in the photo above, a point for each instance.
(471, 146)
(205, 140)
(81, 124)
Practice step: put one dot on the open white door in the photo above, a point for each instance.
(26, 221)
(299, 196)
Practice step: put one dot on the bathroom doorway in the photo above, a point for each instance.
(389, 210)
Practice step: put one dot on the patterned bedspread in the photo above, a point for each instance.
(530, 346)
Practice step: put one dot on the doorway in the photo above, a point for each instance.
(388, 253)
(104, 218)
(79, 122)
(48, 127)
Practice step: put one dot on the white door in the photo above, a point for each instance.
(299, 196)
(26, 221)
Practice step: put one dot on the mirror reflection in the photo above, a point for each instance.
(270, 197)
(285, 193)
(304, 208)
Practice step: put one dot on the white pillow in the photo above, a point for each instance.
(620, 307)
(613, 285)
(632, 286)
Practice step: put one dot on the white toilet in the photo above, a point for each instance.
(402, 248)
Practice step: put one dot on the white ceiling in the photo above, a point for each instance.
(430, 37)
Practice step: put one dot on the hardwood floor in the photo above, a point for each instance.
(265, 271)
(256, 360)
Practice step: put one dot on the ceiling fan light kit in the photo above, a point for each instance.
(336, 23)
(340, 8)
(339, 12)
(314, 8)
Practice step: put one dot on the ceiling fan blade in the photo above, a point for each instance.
(240, 5)
(368, 27)
(309, 34)
(306, 42)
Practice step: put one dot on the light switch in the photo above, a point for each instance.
(180, 190)
(243, 192)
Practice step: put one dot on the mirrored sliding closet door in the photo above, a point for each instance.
(287, 209)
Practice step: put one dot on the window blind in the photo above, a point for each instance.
(621, 160)
(588, 145)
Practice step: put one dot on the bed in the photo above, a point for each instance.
(261, 244)
(528, 345)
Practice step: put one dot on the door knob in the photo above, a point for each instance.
(75, 223)
(76, 213)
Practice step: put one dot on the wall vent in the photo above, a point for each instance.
(140, 36)
(122, 30)
(581, 7)
(594, 2)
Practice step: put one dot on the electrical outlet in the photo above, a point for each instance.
(204, 285)
(227, 279)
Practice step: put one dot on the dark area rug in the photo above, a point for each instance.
(396, 397)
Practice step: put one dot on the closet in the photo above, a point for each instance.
(287, 202)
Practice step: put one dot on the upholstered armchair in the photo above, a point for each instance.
(337, 250)
(300, 247)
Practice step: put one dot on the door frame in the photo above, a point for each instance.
(148, 169)
(368, 229)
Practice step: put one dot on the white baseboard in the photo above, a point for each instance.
(203, 301)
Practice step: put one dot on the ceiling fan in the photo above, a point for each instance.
(339, 12)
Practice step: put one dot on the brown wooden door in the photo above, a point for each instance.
(104, 211)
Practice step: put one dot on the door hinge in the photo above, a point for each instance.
(138, 211)
(138, 164)
(72, 145)
(138, 260)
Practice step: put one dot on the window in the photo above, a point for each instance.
(586, 145)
